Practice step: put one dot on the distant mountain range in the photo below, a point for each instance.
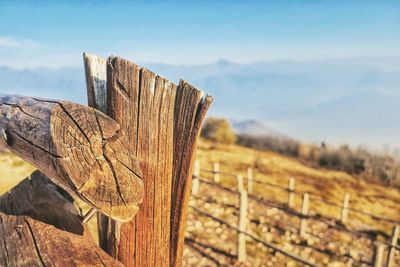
(350, 101)
(253, 127)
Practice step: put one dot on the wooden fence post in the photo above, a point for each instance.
(162, 122)
(196, 176)
(242, 227)
(239, 179)
(304, 213)
(250, 180)
(216, 172)
(291, 186)
(96, 82)
(378, 255)
(392, 249)
(345, 208)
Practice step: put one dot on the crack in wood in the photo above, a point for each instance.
(162, 122)
(82, 142)
(22, 110)
(35, 243)
(74, 121)
(114, 175)
(35, 145)
(7, 256)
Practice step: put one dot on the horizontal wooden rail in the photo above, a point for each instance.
(78, 147)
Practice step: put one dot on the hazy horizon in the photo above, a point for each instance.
(315, 71)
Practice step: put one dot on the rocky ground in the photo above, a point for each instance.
(329, 243)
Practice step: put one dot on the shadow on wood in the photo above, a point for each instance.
(40, 226)
(42, 200)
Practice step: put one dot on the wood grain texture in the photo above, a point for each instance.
(163, 122)
(96, 77)
(190, 109)
(39, 198)
(78, 147)
(40, 226)
(142, 102)
(96, 81)
(28, 242)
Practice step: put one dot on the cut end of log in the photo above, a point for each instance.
(79, 148)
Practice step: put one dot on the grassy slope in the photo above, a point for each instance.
(212, 244)
(326, 184)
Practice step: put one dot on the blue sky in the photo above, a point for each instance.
(314, 70)
(47, 34)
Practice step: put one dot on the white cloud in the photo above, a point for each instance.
(7, 42)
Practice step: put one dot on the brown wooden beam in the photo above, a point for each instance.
(40, 226)
(80, 148)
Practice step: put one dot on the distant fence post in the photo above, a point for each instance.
(216, 172)
(345, 208)
(291, 186)
(392, 249)
(239, 179)
(304, 213)
(242, 227)
(196, 176)
(378, 256)
(250, 180)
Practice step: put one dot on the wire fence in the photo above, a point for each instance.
(292, 227)
(331, 222)
(314, 197)
(258, 240)
(304, 216)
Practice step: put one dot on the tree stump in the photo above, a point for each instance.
(162, 121)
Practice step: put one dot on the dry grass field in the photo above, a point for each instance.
(12, 170)
(320, 183)
(329, 243)
(205, 237)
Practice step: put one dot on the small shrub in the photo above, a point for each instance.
(218, 130)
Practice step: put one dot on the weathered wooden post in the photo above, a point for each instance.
(345, 208)
(242, 226)
(217, 175)
(291, 196)
(40, 226)
(250, 180)
(304, 213)
(378, 255)
(196, 176)
(393, 243)
(78, 147)
(162, 122)
(239, 179)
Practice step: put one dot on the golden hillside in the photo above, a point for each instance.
(329, 242)
(209, 239)
(320, 183)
